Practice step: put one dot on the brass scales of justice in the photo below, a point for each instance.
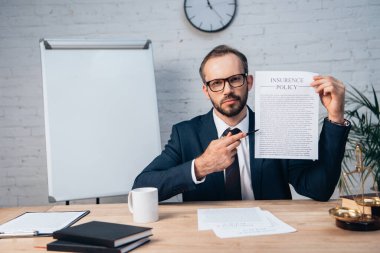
(358, 219)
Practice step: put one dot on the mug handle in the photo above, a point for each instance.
(130, 204)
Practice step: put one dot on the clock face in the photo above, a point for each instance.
(210, 15)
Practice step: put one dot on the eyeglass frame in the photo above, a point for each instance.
(245, 75)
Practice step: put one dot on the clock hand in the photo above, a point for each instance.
(217, 14)
(209, 5)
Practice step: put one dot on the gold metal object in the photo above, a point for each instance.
(356, 219)
(345, 214)
(368, 201)
(359, 168)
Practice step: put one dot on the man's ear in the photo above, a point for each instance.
(205, 91)
(250, 82)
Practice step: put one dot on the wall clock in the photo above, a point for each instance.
(210, 15)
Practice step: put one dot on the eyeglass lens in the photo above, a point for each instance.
(234, 81)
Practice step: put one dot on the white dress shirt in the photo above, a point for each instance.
(242, 152)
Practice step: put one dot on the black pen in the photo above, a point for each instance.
(251, 132)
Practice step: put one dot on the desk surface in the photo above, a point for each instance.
(177, 229)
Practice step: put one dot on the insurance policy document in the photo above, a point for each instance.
(286, 114)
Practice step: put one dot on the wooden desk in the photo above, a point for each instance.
(177, 229)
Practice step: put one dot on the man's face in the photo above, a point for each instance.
(230, 101)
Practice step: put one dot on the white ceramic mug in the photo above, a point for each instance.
(143, 204)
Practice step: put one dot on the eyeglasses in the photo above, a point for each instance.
(234, 81)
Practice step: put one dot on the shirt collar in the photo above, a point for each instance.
(221, 126)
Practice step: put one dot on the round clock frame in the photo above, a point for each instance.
(210, 15)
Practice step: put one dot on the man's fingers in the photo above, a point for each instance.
(327, 90)
(323, 79)
(327, 84)
(233, 152)
(322, 87)
(233, 146)
(328, 87)
(229, 138)
(317, 82)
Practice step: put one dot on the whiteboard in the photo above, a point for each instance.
(101, 116)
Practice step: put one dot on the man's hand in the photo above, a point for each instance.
(331, 91)
(218, 155)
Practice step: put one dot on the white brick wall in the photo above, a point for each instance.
(341, 38)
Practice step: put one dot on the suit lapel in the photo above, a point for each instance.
(208, 133)
(207, 130)
(255, 164)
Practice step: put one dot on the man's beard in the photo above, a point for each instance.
(234, 110)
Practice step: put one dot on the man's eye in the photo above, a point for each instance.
(235, 79)
(217, 83)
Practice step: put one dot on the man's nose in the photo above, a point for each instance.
(227, 88)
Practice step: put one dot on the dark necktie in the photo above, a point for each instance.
(232, 174)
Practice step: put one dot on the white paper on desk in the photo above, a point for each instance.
(210, 218)
(43, 222)
(228, 230)
(286, 114)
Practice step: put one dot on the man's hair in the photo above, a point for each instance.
(222, 50)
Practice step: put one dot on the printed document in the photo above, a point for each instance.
(239, 222)
(210, 218)
(286, 114)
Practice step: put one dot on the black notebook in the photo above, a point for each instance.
(60, 245)
(102, 233)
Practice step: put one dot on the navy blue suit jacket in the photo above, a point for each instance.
(170, 172)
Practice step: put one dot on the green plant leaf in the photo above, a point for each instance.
(364, 115)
